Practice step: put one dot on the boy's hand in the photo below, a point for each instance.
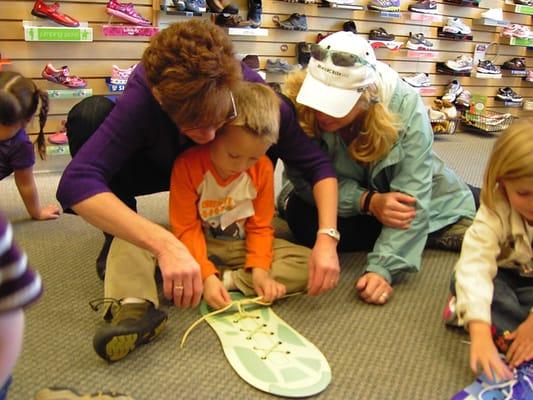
(50, 211)
(266, 287)
(215, 294)
(483, 352)
(521, 349)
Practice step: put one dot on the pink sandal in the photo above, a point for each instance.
(62, 76)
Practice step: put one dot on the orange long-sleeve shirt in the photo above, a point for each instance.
(240, 207)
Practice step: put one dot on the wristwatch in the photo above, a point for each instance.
(334, 233)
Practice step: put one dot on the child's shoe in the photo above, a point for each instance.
(120, 76)
(450, 237)
(127, 12)
(60, 137)
(518, 388)
(63, 77)
(50, 11)
(449, 315)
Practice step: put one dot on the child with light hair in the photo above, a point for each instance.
(222, 205)
(494, 274)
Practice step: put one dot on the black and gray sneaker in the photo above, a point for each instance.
(303, 54)
(516, 64)
(381, 34)
(508, 94)
(255, 9)
(450, 237)
(295, 22)
(487, 67)
(418, 42)
(126, 327)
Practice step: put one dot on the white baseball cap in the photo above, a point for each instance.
(333, 89)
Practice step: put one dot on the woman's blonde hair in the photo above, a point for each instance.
(257, 107)
(378, 133)
(511, 158)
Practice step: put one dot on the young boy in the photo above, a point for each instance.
(222, 205)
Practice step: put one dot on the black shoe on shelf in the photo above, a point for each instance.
(487, 67)
(508, 94)
(255, 9)
(349, 26)
(295, 22)
(126, 327)
(515, 64)
(381, 34)
(303, 54)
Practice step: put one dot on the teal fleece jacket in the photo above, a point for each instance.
(411, 167)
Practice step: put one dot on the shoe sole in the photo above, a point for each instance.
(293, 28)
(418, 46)
(424, 10)
(387, 9)
(119, 346)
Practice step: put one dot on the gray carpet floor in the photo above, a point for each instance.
(400, 351)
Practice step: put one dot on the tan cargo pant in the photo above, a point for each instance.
(130, 269)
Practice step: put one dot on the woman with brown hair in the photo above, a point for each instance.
(178, 96)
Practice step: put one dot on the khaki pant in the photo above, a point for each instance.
(130, 269)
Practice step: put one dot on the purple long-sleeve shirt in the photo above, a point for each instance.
(138, 124)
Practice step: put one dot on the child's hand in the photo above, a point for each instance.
(215, 294)
(266, 287)
(50, 211)
(483, 352)
(522, 347)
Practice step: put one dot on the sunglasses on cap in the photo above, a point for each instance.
(231, 116)
(338, 58)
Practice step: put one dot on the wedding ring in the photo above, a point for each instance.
(384, 295)
(178, 287)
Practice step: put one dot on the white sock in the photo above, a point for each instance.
(132, 300)
(227, 280)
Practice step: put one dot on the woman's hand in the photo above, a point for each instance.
(324, 268)
(182, 281)
(266, 287)
(393, 209)
(483, 352)
(373, 288)
(215, 294)
(521, 349)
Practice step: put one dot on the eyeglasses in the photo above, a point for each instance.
(338, 58)
(231, 116)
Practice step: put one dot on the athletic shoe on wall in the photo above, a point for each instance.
(460, 64)
(120, 76)
(384, 5)
(464, 99)
(457, 26)
(487, 67)
(495, 14)
(424, 6)
(126, 11)
(516, 30)
(453, 89)
(50, 11)
(508, 94)
(418, 42)
(419, 80)
(515, 64)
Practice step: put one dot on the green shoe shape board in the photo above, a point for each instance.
(265, 351)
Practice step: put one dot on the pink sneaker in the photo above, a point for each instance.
(62, 76)
(449, 315)
(127, 12)
(120, 76)
(516, 30)
(60, 137)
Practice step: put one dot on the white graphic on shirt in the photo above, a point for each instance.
(224, 209)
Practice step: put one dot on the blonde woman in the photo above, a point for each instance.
(393, 191)
(494, 275)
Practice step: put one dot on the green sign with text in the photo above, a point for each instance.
(51, 34)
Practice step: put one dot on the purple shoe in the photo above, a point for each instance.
(384, 5)
(127, 12)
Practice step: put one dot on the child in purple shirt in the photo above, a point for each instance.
(19, 286)
(19, 98)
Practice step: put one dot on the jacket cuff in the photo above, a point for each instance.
(381, 271)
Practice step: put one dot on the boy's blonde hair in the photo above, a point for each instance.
(257, 107)
(378, 133)
(511, 158)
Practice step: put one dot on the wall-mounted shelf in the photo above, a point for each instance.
(515, 41)
(247, 32)
(129, 30)
(69, 93)
(490, 22)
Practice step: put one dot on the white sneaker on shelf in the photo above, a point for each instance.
(418, 80)
(460, 64)
(456, 25)
(495, 14)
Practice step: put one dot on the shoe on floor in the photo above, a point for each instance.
(54, 393)
(450, 237)
(126, 327)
